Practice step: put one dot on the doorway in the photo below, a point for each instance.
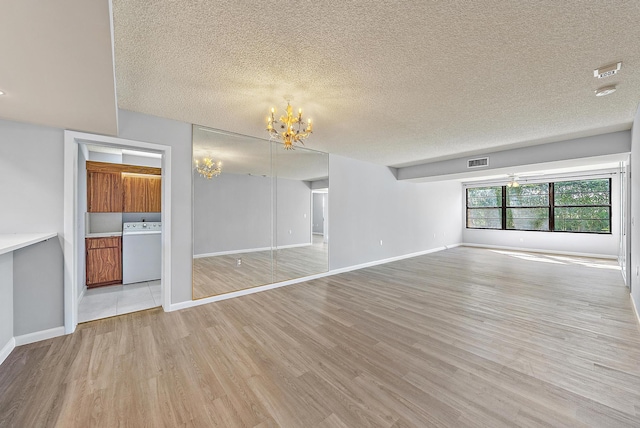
(75, 226)
(319, 216)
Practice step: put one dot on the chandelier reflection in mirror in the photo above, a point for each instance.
(290, 129)
(208, 168)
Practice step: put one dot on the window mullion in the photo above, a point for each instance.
(552, 212)
(504, 207)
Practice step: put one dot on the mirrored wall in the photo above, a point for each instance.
(261, 218)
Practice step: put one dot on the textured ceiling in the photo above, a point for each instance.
(56, 64)
(390, 82)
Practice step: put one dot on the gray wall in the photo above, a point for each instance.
(231, 212)
(6, 298)
(142, 127)
(599, 145)
(293, 212)
(634, 260)
(317, 212)
(234, 212)
(105, 157)
(38, 302)
(31, 191)
(367, 204)
(141, 160)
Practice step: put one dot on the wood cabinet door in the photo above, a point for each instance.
(154, 194)
(104, 192)
(104, 265)
(142, 193)
(134, 193)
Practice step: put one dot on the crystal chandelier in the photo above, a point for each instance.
(292, 129)
(208, 168)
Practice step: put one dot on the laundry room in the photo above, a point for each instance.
(119, 214)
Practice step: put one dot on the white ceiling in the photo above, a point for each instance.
(390, 82)
(56, 64)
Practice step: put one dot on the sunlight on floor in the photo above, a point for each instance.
(547, 258)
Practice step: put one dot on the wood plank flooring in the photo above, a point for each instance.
(466, 337)
(220, 274)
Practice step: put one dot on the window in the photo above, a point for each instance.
(563, 206)
(528, 207)
(484, 208)
(583, 206)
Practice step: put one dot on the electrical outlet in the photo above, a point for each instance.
(238, 262)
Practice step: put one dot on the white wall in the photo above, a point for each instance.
(578, 243)
(634, 260)
(367, 204)
(81, 228)
(151, 129)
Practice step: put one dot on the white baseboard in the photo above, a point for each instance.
(306, 244)
(84, 289)
(39, 335)
(6, 349)
(537, 250)
(226, 253)
(249, 250)
(192, 303)
(635, 308)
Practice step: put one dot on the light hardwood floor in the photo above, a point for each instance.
(463, 337)
(220, 274)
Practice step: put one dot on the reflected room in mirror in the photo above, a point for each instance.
(259, 212)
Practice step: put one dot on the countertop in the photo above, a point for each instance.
(14, 241)
(103, 235)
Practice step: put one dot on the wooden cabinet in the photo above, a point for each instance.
(123, 188)
(103, 261)
(142, 193)
(104, 192)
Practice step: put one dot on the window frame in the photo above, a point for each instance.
(552, 206)
(500, 207)
(547, 206)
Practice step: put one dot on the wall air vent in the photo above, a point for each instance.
(477, 163)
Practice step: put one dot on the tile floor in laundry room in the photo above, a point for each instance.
(111, 300)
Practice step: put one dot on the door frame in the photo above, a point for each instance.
(72, 140)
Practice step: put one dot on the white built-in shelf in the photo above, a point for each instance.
(14, 241)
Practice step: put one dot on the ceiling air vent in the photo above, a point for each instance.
(607, 71)
(477, 163)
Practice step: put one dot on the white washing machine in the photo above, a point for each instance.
(141, 251)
